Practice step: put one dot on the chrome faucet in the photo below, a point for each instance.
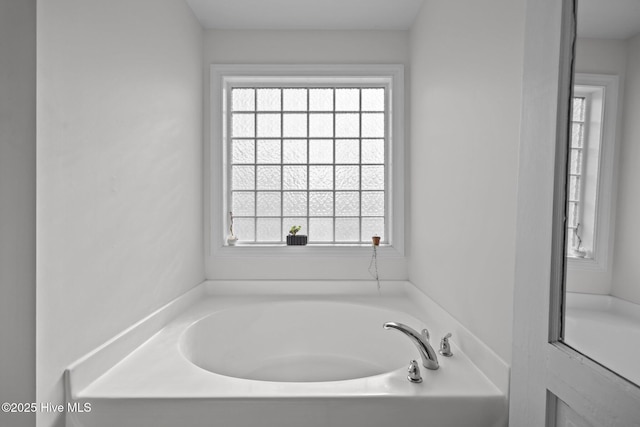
(421, 341)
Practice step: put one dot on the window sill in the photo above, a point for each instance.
(585, 264)
(310, 250)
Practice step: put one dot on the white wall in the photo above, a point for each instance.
(600, 56)
(17, 207)
(465, 119)
(119, 172)
(597, 56)
(626, 276)
(303, 47)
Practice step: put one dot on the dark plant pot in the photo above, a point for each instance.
(298, 240)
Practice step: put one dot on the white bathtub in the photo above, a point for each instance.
(298, 341)
(304, 356)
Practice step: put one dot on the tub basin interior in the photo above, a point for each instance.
(299, 341)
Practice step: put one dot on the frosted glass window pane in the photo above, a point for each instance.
(294, 99)
(373, 99)
(373, 125)
(244, 229)
(573, 215)
(577, 137)
(294, 125)
(243, 203)
(243, 125)
(242, 177)
(243, 151)
(372, 227)
(294, 177)
(269, 151)
(287, 223)
(269, 204)
(268, 99)
(320, 151)
(268, 177)
(347, 100)
(294, 151)
(575, 211)
(320, 230)
(320, 203)
(243, 100)
(373, 151)
(269, 230)
(578, 109)
(347, 229)
(321, 100)
(321, 177)
(576, 161)
(373, 177)
(372, 203)
(347, 203)
(347, 125)
(321, 125)
(268, 125)
(295, 203)
(574, 188)
(347, 151)
(571, 240)
(347, 178)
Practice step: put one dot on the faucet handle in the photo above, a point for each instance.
(425, 333)
(414, 372)
(445, 346)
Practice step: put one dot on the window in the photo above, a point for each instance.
(575, 223)
(309, 156)
(308, 146)
(590, 169)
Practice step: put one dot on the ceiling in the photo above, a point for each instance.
(608, 19)
(306, 14)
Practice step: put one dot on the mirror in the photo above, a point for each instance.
(602, 299)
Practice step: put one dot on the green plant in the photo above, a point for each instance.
(294, 229)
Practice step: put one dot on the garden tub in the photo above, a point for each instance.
(298, 357)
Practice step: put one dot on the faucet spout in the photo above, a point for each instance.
(421, 341)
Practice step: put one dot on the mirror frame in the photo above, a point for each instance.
(544, 371)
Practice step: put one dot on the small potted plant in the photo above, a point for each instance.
(293, 239)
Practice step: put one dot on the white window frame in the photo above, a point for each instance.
(599, 160)
(216, 216)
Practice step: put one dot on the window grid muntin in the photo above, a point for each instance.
(577, 144)
(255, 138)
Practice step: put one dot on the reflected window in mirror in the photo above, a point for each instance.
(591, 170)
(586, 143)
(576, 246)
